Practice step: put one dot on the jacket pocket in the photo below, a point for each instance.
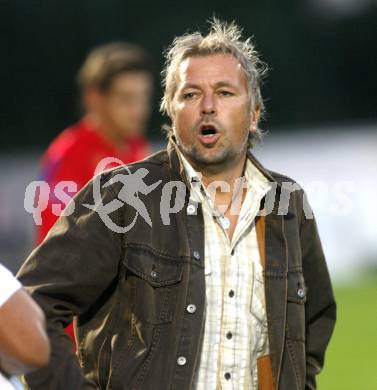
(296, 298)
(156, 279)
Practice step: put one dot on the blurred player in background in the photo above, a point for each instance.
(116, 87)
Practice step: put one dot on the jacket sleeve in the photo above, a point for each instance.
(320, 309)
(65, 275)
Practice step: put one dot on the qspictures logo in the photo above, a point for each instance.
(39, 196)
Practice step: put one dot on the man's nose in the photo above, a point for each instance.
(208, 104)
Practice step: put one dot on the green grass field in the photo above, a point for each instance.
(351, 359)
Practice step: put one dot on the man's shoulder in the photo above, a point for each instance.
(291, 196)
(280, 177)
(149, 171)
(286, 186)
(156, 164)
(271, 175)
(72, 140)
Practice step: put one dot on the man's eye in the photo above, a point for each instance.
(225, 93)
(189, 95)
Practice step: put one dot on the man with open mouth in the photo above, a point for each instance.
(231, 292)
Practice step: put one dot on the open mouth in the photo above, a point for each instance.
(208, 135)
(208, 131)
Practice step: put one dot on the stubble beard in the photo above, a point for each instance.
(214, 164)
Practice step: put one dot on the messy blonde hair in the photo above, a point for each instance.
(222, 38)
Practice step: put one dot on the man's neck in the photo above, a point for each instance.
(229, 194)
(229, 202)
(229, 176)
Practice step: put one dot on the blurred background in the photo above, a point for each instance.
(321, 99)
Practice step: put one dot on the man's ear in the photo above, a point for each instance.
(255, 116)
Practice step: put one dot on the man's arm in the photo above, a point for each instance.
(65, 275)
(24, 345)
(320, 308)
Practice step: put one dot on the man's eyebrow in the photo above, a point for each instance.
(219, 84)
(190, 85)
(225, 84)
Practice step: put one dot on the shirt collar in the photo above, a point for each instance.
(257, 182)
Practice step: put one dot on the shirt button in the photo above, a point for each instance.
(227, 376)
(153, 274)
(191, 209)
(181, 361)
(229, 335)
(191, 308)
(301, 292)
(231, 293)
(196, 255)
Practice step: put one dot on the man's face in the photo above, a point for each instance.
(211, 111)
(124, 108)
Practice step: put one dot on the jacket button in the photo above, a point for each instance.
(227, 376)
(181, 361)
(301, 292)
(191, 209)
(196, 255)
(153, 274)
(191, 308)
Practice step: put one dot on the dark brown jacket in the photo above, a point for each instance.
(129, 292)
